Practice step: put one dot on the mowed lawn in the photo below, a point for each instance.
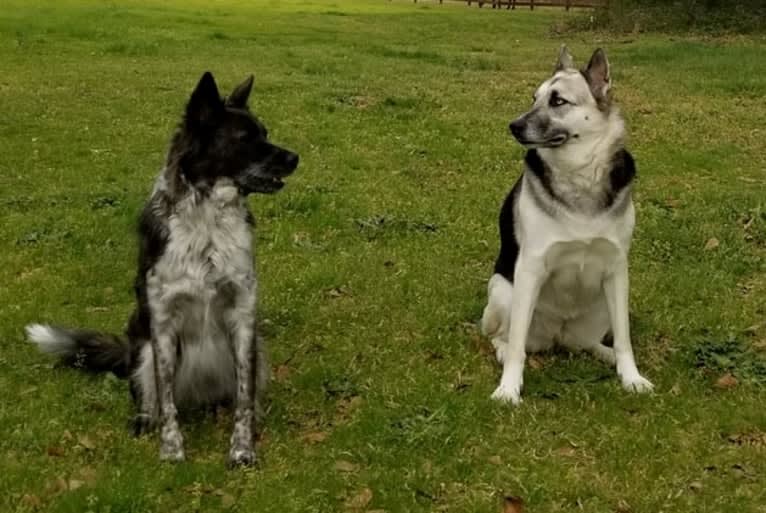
(373, 261)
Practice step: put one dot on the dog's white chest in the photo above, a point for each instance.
(577, 270)
(581, 257)
(208, 245)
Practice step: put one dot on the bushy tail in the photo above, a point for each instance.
(87, 350)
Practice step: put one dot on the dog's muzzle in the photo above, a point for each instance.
(267, 178)
(552, 139)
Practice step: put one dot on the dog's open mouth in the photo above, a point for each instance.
(266, 179)
(269, 185)
(551, 142)
(557, 140)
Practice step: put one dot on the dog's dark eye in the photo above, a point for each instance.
(557, 101)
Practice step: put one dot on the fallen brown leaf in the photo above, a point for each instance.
(56, 486)
(315, 437)
(33, 501)
(495, 460)
(752, 439)
(360, 500)
(345, 466)
(74, 484)
(535, 362)
(86, 442)
(337, 292)
(227, 501)
(346, 406)
(712, 244)
(726, 381)
(281, 373)
(566, 450)
(88, 475)
(513, 505)
(55, 451)
(622, 507)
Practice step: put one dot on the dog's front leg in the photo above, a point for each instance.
(616, 291)
(165, 346)
(528, 278)
(241, 452)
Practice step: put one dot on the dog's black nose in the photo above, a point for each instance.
(291, 160)
(517, 127)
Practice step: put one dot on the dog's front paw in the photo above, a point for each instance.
(241, 457)
(637, 384)
(172, 453)
(172, 445)
(508, 394)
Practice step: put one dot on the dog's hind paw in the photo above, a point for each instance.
(507, 394)
(500, 347)
(239, 457)
(142, 424)
(637, 384)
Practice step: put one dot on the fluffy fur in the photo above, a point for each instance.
(192, 338)
(562, 273)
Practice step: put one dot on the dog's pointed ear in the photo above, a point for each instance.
(598, 74)
(565, 59)
(205, 105)
(240, 94)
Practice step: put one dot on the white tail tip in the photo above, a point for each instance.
(50, 340)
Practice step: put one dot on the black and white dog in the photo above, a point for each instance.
(192, 337)
(565, 229)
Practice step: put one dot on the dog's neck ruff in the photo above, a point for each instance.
(172, 183)
(588, 194)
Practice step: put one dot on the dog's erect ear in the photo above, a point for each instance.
(598, 74)
(240, 94)
(565, 60)
(205, 105)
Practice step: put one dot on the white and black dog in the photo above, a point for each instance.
(192, 338)
(562, 273)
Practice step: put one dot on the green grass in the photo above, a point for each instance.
(374, 260)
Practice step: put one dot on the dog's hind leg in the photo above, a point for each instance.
(587, 333)
(497, 319)
(497, 314)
